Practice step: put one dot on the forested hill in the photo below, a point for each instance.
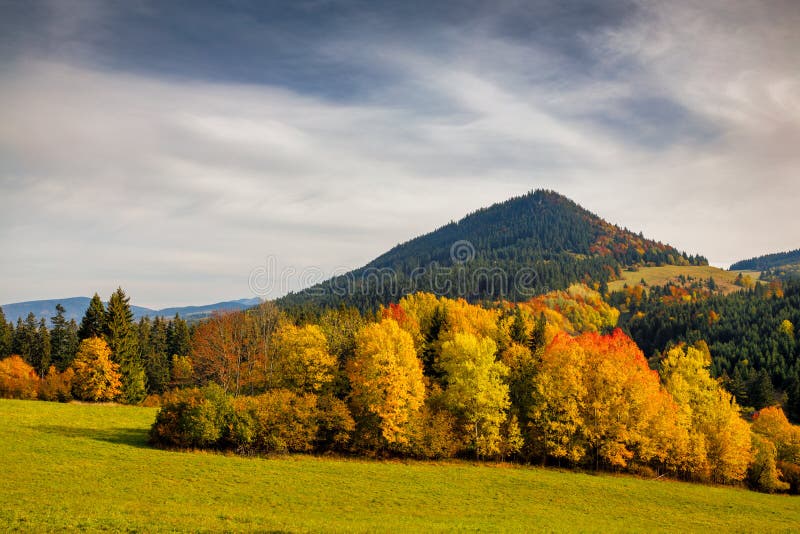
(524, 246)
(769, 261)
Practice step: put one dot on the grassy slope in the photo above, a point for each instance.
(659, 276)
(88, 467)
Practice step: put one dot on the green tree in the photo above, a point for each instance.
(178, 338)
(24, 341)
(122, 338)
(42, 349)
(63, 339)
(155, 357)
(93, 323)
(6, 336)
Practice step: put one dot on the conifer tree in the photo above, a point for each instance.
(63, 339)
(121, 337)
(155, 357)
(41, 349)
(24, 341)
(178, 338)
(6, 336)
(93, 323)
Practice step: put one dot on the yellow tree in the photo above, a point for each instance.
(713, 412)
(475, 389)
(559, 396)
(96, 378)
(303, 359)
(387, 388)
(772, 424)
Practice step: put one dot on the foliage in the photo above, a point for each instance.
(121, 335)
(97, 378)
(303, 360)
(277, 421)
(57, 386)
(193, 418)
(475, 390)
(18, 380)
(386, 380)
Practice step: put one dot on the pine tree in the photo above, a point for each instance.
(6, 336)
(519, 331)
(121, 337)
(537, 338)
(155, 357)
(42, 349)
(63, 339)
(93, 323)
(24, 341)
(178, 338)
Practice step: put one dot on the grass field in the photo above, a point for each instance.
(659, 276)
(88, 467)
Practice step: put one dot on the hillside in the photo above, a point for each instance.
(76, 306)
(768, 261)
(69, 467)
(524, 246)
(662, 275)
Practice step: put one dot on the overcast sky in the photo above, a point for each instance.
(171, 147)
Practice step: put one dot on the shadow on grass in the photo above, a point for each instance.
(133, 437)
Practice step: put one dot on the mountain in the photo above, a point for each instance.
(524, 246)
(76, 307)
(769, 261)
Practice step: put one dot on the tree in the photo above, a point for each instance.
(154, 354)
(93, 323)
(18, 380)
(304, 362)
(387, 382)
(225, 351)
(63, 340)
(121, 337)
(97, 378)
(475, 389)
(6, 336)
(713, 412)
(178, 338)
(24, 341)
(41, 350)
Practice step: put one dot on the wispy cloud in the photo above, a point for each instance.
(682, 122)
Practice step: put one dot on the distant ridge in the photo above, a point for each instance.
(76, 306)
(542, 233)
(768, 261)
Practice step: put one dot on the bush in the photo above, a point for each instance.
(336, 425)
(434, 436)
(56, 386)
(193, 418)
(791, 474)
(277, 421)
(18, 380)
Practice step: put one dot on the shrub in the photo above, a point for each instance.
(276, 421)
(435, 435)
(193, 418)
(336, 425)
(18, 380)
(791, 474)
(57, 386)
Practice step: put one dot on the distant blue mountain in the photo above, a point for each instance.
(76, 306)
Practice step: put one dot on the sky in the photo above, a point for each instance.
(176, 148)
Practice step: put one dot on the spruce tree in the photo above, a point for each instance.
(155, 359)
(41, 349)
(63, 339)
(6, 336)
(24, 342)
(93, 323)
(121, 337)
(178, 338)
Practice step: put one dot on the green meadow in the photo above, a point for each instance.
(88, 467)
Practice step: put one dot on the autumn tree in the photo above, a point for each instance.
(304, 362)
(97, 377)
(18, 380)
(387, 382)
(224, 351)
(713, 412)
(475, 389)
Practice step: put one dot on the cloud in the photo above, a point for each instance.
(677, 122)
